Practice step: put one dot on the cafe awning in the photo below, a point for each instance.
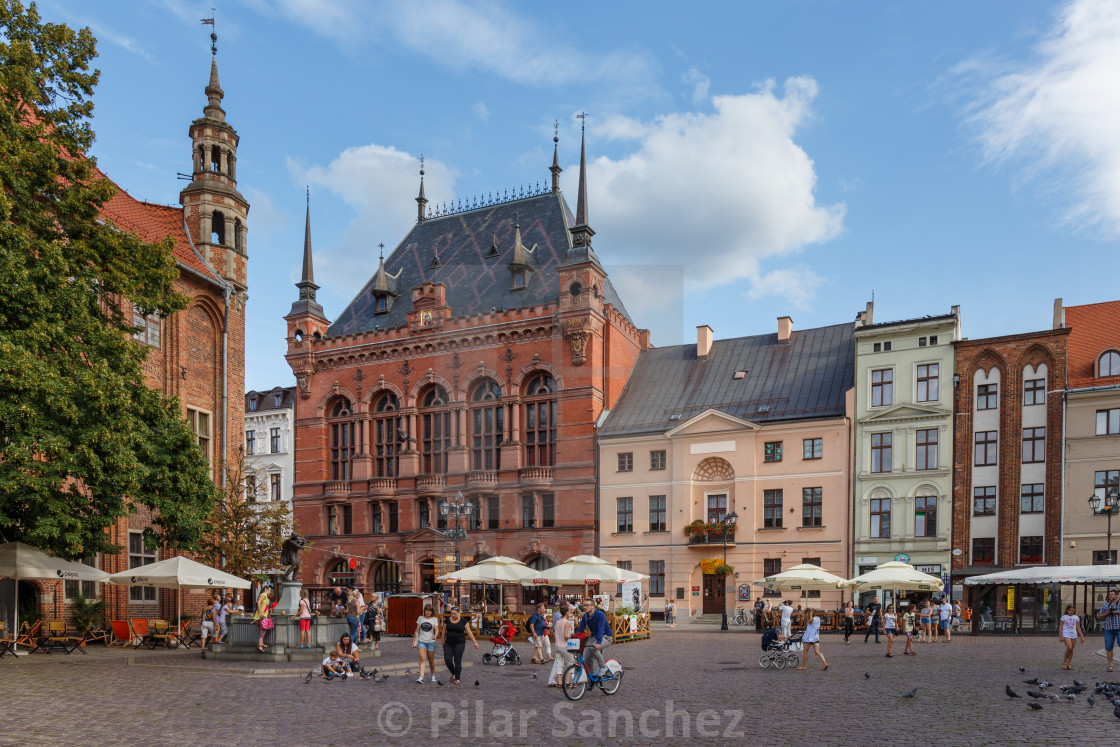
(1051, 574)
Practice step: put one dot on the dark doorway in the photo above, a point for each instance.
(714, 590)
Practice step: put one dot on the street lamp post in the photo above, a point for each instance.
(1107, 505)
(457, 508)
(726, 521)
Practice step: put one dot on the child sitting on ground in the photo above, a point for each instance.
(332, 666)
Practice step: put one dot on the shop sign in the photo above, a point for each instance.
(695, 589)
(744, 592)
(933, 569)
(1010, 598)
(871, 560)
(902, 558)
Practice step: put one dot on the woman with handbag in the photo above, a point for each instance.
(263, 615)
(563, 629)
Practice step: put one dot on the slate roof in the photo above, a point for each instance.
(475, 280)
(267, 400)
(152, 222)
(804, 379)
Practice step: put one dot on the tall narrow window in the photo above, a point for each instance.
(274, 441)
(147, 328)
(772, 509)
(548, 510)
(375, 512)
(528, 511)
(657, 578)
(928, 389)
(986, 452)
(540, 421)
(882, 387)
(1034, 392)
(251, 487)
(342, 428)
(140, 555)
(625, 511)
(200, 426)
(347, 519)
(881, 452)
(394, 517)
(812, 507)
(926, 441)
(332, 520)
(880, 518)
(487, 426)
(386, 429)
(925, 516)
(250, 443)
(435, 431)
(657, 513)
(493, 512)
(987, 397)
(717, 508)
(274, 487)
(1034, 445)
(983, 550)
(1032, 498)
(425, 513)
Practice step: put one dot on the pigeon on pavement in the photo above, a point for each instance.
(1022, 668)
(867, 675)
(408, 672)
(911, 694)
(1053, 697)
(1035, 706)
(1011, 693)
(1079, 683)
(1033, 694)
(1092, 700)
(476, 683)
(439, 682)
(534, 675)
(1116, 711)
(309, 676)
(1071, 696)
(1032, 681)
(1044, 685)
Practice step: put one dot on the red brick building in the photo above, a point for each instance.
(198, 354)
(1007, 460)
(476, 360)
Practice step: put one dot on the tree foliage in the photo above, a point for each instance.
(83, 441)
(245, 531)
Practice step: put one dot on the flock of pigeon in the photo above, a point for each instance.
(371, 676)
(1109, 690)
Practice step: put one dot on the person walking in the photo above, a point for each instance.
(424, 640)
(1069, 633)
(538, 628)
(925, 618)
(303, 619)
(872, 616)
(956, 615)
(759, 607)
(811, 641)
(670, 613)
(453, 635)
(562, 631)
(849, 621)
(353, 613)
(945, 613)
(375, 621)
(263, 615)
(220, 611)
(889, 627)
(1110, 616)
(786, 620)
(208, 629)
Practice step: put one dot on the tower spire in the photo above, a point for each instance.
(555, 167)
(581, 232)
(307, 303)
(421, 200)
(214, 94)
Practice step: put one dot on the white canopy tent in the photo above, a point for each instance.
(177, 573)
(19, 561)
(1051, 574)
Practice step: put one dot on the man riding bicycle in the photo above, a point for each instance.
(599, 635)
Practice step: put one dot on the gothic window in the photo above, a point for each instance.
(435, 430)
(540, 421)
(218, 228)
(487, 426)
(387, 577)
(386, 425)
(342, 429)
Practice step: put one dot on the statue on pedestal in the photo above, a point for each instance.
(289, 554)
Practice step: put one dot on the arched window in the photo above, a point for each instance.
(1109, 364)
(540, 421)
(435, 431)
(340, 575)
(218, 228)
(487, 426)
(387, 577)
(530, 595)
(215, 158)
(342, 428)
(386, 425)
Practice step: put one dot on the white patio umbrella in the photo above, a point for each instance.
(804, 577)
(496, 570)
(585, 570)
(177, 573)
(19, 561)
(894, 575)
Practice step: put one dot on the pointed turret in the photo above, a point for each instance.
(421, 200)
(306, 304)
(555, 167)
(214, 95)
(520, 267)
(384, 286)
(581, 231)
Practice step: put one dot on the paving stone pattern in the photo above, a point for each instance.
(695, 687)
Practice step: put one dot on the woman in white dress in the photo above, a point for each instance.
(561, 634)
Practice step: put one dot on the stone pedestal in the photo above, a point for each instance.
(289, 598)
(282, 640)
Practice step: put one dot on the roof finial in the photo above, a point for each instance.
(581, 231)
(213, 34)
(381, 247)
(214, 93)
(421, 200)
(555, 167)
(307, 303)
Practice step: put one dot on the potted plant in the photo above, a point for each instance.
(88, 614)
(723, 569)
(698, 527)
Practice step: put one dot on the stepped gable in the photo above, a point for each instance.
(456, 250)
(804, 379)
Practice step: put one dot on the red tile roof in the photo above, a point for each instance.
(1094, 328)
(152, 222)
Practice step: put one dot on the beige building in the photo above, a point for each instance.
(756, 426)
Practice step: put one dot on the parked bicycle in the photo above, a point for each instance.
(742, 617)
(578, 677)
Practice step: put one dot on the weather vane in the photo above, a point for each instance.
(556, 130)
(213, 34)
(381, 246)
(582, 117)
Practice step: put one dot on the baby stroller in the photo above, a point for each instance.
(503, 652)
(778, 653)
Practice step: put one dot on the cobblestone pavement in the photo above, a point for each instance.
(700, 687)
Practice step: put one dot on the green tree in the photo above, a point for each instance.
(83, 441)
(246, 529)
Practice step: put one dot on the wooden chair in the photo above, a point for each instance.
(55, 634)
(7, 640)
(140, 635)
(95, 635)
(161, 633)
(187, 637)
(29, 634)
(122, 634)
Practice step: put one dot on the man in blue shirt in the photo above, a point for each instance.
(598, 634)
(1110, 619)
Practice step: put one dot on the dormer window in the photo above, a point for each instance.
(519, 279)
(253, 403)
(1109, 364)
(380, 304)
(279, 400)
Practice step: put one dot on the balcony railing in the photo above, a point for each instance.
(382, 485)
(431, 481)
(535, 474)
(480, 477)
(337, 487)
(714, 539)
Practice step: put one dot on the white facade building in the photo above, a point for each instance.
(269, 456)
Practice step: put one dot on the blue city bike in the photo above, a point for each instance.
(578, 677)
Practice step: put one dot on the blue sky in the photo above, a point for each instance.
(748, 160)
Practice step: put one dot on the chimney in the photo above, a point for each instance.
(1059, 314)
(785, 329)
(869, 315)
(703, 341)
(643, 339)
(955, 310)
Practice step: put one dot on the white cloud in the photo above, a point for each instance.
(700, 84)
(715, 192)
(379, 183)
(798, 285)
(481, 111)
(1057, 115)
(265, 218)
